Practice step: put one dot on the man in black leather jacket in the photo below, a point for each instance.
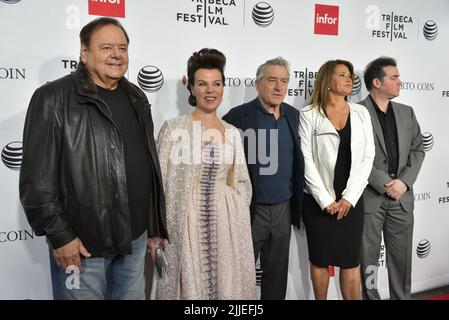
(90, 178)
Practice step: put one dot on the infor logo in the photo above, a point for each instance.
(326, 19)
(109, 8)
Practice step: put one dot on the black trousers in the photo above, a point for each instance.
(271, 229)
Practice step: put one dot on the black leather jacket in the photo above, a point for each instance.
(72, 180)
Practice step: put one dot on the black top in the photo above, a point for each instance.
(389, 130)
(275, 162)
(332, 241)
(344, 159)
(139, 169)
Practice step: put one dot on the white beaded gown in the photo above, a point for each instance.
(210, 252)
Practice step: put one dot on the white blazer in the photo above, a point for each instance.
(319, 144)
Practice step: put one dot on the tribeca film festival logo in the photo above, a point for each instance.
(304, 80)
(428, 141)
(389, 25)
(381, 260)
(263, 14)
(444, 199)
(326, 19)
(109, 8)
(150, 78)
(69, 65)
(207, 12)
(423, 248)
(12, 155)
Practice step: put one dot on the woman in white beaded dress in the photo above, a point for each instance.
(208, 193)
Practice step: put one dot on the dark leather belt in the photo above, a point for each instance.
(392, 176)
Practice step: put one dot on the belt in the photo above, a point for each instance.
(392, 176)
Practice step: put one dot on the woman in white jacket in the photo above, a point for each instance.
(337, 142)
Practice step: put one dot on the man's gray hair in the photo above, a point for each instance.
(279, 61)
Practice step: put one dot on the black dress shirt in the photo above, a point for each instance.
(389, 130)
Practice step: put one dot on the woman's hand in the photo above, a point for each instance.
(343, 208)
(153, 243)
(332, 208)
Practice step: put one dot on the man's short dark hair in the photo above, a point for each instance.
(374, 70)
(87, 31)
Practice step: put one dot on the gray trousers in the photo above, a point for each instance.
(397, 227)
(271, 228)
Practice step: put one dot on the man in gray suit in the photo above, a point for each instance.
(388, 198)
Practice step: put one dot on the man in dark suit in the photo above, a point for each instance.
(388, 198)
(276, 168)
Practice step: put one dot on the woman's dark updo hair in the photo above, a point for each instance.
(204, 59)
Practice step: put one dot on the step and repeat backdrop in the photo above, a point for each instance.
(39, 43)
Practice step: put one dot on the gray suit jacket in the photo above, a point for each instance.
(411, 156)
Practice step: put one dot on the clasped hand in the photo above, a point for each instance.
(340, 208)
(395, 189)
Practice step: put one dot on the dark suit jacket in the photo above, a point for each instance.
(245, 117)
(411, 156)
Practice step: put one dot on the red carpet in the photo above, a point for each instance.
(443, 297)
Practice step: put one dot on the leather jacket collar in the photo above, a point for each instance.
(87, 88)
